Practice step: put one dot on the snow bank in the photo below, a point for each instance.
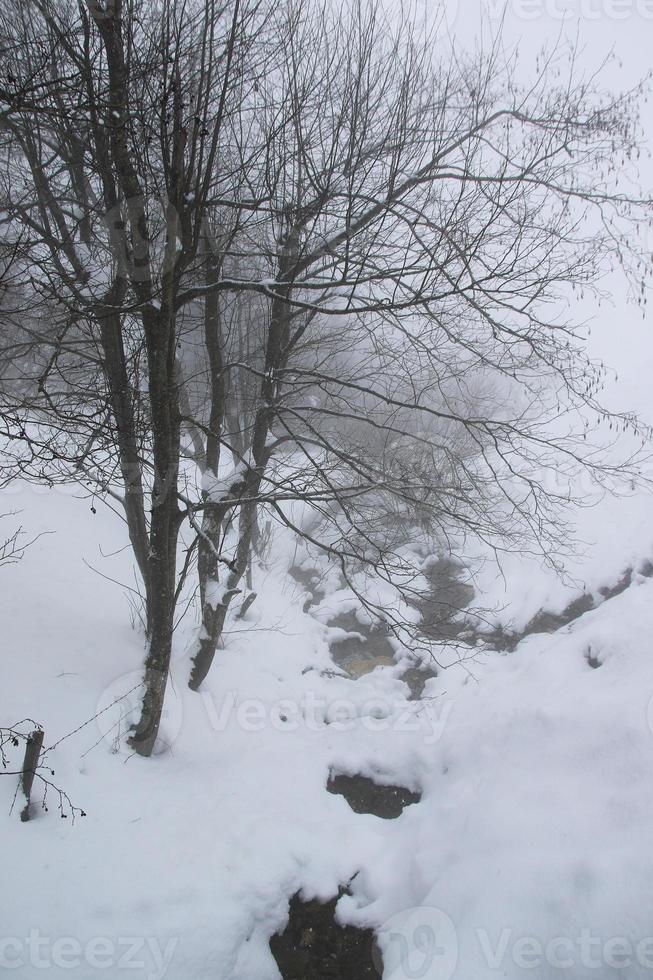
(528, 856)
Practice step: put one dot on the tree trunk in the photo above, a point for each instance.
(130, 464)
(157, 665)
(214, 617)
(164, 524)
(162, 570)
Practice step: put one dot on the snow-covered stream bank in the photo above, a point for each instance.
(528, 853)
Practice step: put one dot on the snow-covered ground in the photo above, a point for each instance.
(528, 855)
(530, 852)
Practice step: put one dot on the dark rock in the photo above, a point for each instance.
(313, 946)
(592, 660)
(416, 678)
(366, 796)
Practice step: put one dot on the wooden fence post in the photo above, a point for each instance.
(245, 605)
(33, 747)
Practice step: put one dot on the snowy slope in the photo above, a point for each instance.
(534, 827)
(533, 836)
(191, 854)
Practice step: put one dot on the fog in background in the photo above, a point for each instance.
(621, 33)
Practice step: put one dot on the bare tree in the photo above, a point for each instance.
(117, 135)
(314, 256)
(419, 226)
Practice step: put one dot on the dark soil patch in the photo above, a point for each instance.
(313, 946)
(309, 578)
(368, 646)
(360, 654)
(548, 622)
(416, 678)
(440, 607)
(448, 594)
(609, 592)
(366, 796)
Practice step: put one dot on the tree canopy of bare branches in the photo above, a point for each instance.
(267, 255)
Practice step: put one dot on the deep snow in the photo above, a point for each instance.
(528, 854)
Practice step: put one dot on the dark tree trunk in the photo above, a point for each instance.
(130, 464)
(157, 665)
(213, 518)
(164, 524)
(214, 618)
(159, 328)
